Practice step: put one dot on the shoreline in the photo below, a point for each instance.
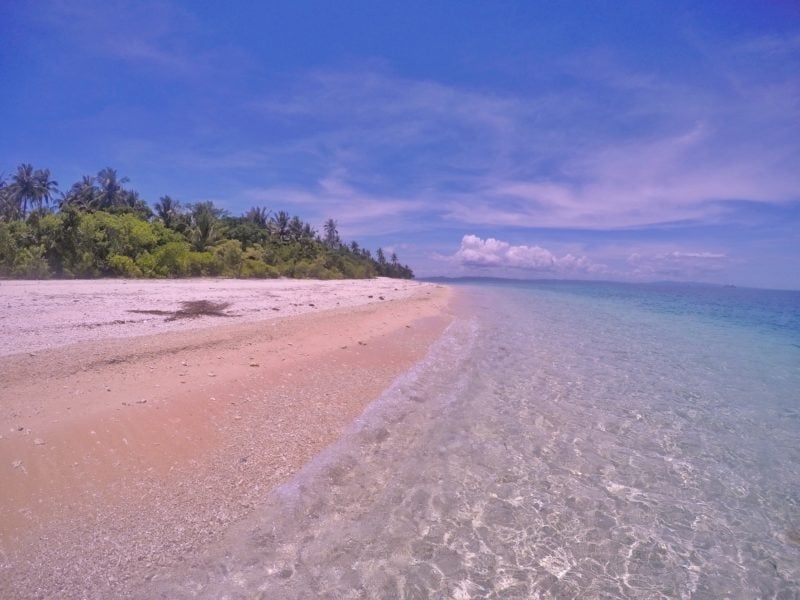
(126, 456)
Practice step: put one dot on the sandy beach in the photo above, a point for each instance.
(131, 437)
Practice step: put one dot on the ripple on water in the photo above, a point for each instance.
(553, 446)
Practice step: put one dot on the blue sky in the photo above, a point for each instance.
(614, 140)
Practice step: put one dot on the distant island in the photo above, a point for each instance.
(100, 228)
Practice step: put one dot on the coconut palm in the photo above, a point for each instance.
(205, 228)
(279, 225)
(131, 200)
(258, 215)
(331, 234)
(29, 188)
(168, 210)
(8, 210)
(296, 229)
(83, 194)
(45, 188)
(111, 192)
(23, 189)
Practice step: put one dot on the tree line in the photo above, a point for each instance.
(101, 228)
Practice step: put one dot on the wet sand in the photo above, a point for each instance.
(122, 457)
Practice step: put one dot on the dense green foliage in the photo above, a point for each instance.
(100, 229)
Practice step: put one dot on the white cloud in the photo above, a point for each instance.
(493, 257)
(499, 255)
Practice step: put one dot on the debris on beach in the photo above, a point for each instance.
(190, 309)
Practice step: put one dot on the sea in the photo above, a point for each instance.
(561, 440)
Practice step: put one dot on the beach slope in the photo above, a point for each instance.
(131, 435)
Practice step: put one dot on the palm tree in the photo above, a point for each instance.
(168, 211)
(354, 248)
(130, 199)
(8, 210)
(29, 187)
(205, 226)
(308, 232)
(331, 234)
(45, 188)
(258, 215)
(83, 194)
(23, 189)
(296, 229)
(279, 225)
(111, 190)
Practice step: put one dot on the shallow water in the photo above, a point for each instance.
(562, 440)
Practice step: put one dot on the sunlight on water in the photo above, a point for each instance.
(561, 441)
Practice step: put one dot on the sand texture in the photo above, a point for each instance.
(129, 441)
(36, 315)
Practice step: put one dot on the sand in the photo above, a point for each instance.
(37, 315)
(130, 441)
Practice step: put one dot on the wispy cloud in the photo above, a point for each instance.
(678, 264)
(357, 212)
(153, 34)
(675, 153)
(604, 147)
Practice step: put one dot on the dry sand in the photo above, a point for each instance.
(124, 451)
(36, 315)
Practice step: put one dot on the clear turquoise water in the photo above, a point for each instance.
(563, 440)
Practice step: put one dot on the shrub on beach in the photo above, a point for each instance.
(29, 263)
(230, 255)
(124, 266)
(172, 259)
(319, 268)
(204, 264)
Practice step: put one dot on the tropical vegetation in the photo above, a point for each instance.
(99, 227)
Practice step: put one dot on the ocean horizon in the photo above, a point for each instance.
(484, 279)
(561, 440)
